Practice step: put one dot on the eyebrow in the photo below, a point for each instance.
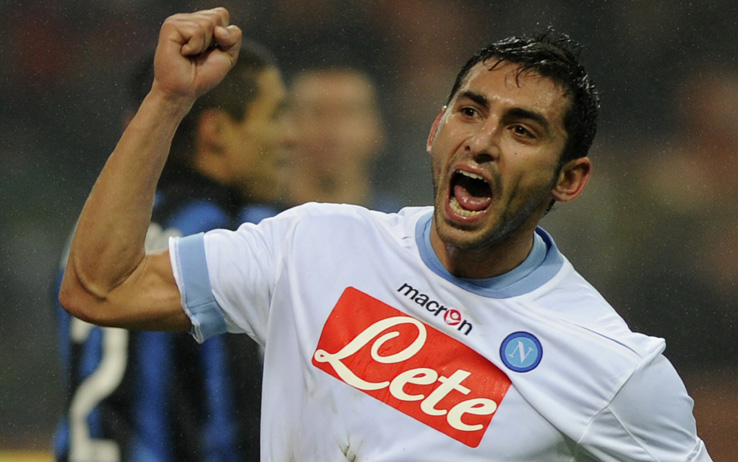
(476, 97)
(535, 116)
(514, 113)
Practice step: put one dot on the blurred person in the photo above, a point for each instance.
(456, 331)
(684, 232)
(156, 396)
(339, 135)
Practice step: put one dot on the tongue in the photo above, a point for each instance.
(472, 199)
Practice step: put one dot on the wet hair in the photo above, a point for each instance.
(233, 95)
(556, 57)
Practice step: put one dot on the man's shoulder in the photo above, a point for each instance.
(571, 301)
(329, 211)
(331, 223)
(336, 208)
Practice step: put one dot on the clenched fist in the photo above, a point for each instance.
(195, 51)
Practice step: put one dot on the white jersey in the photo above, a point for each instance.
(374, 352)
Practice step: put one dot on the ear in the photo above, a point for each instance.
(210, 157)
(572, 179)
(211, 126)
(434, 129)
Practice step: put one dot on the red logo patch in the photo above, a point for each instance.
(410, 366)
(452, 317)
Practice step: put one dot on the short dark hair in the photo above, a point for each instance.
(239, 88)
(556, 57)
(233, 95)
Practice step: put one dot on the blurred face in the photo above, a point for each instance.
(336, 120)
(495, 153)
(255, 147)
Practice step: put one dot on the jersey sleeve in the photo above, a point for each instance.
(191, 274)
(226, 278)
(650, 419)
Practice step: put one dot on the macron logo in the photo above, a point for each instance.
(450, 316)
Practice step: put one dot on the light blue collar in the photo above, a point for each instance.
(543, 262)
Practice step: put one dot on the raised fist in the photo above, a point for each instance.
(195, 51)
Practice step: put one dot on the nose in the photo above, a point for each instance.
(483, 144)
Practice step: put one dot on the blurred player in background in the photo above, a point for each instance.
(155, 396)
(339, 132)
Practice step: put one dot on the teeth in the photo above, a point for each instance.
(462, 212)
(473, 176)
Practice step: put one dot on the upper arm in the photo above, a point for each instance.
(148, 298)
(650, 419)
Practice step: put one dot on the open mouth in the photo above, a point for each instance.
(471, 195)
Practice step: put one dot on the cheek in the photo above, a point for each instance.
(270, 136)
(529, 180)
(256, 145)
(250, 152)
(443, 150)
(436, 168)
(536, 191)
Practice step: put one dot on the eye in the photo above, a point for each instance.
(468, 111)
(521, 130)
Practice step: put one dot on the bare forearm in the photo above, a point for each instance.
(109, 279)
(110, 235)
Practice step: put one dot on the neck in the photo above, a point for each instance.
(484, 261)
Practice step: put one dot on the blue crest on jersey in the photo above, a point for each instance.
(521, 351)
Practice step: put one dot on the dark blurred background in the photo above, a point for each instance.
(656, 231)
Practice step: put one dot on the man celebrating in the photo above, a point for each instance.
(453, 332)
